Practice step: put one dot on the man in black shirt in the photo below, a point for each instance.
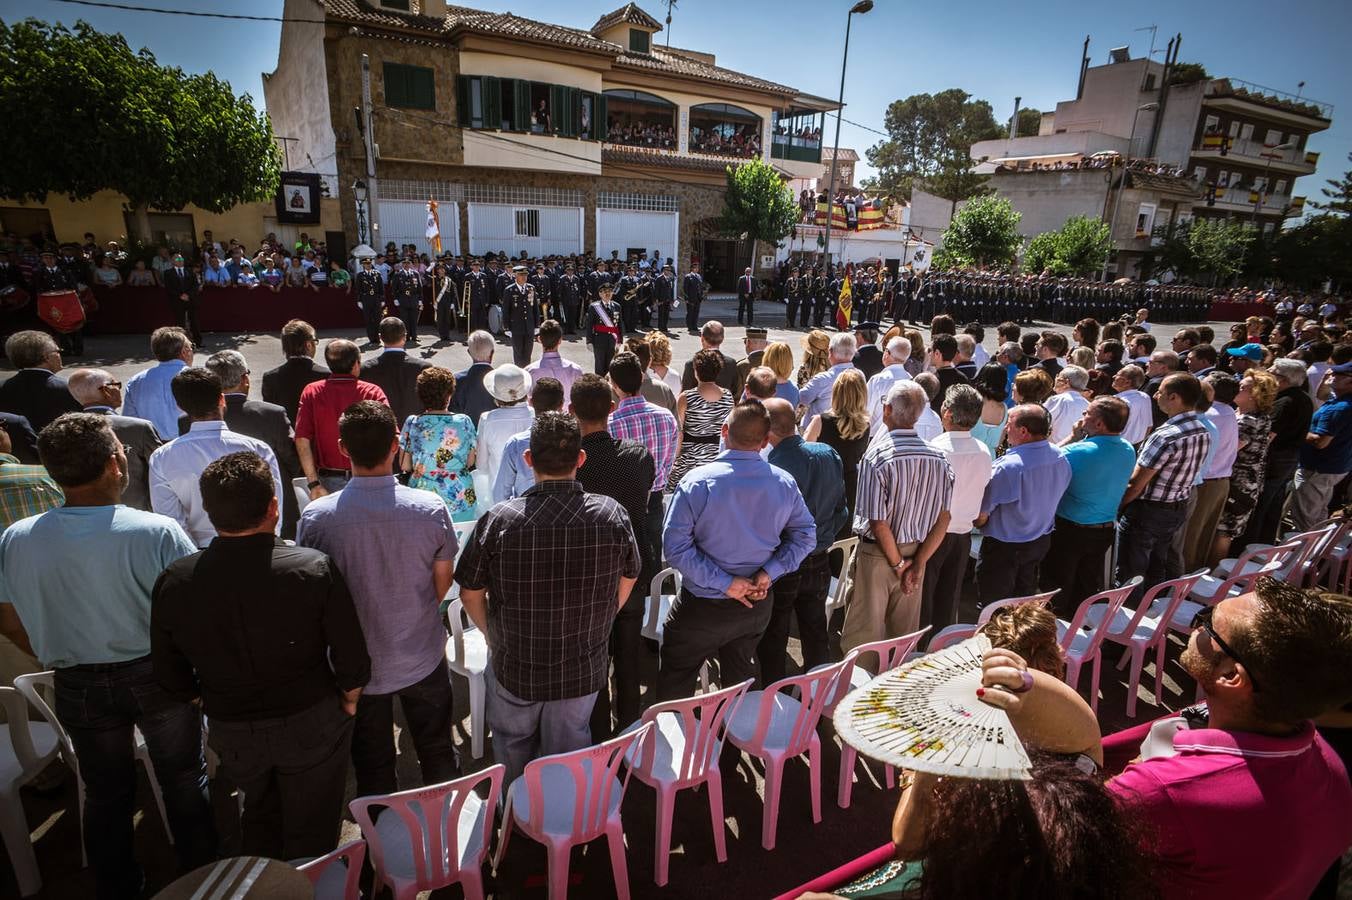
(266, 637)
(624, 471)
(943, 351)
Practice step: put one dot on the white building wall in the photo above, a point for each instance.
(492, 228)
(297, 93)
(622, 229)
(405, 222)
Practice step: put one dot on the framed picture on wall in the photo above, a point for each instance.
(298, 199)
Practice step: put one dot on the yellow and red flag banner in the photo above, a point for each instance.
(846, 300)
(433, 232)
(1297, 205)
(1212, 141)
(1311, 158)
(869, 215)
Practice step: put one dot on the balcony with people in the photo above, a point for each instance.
(640, 119)
(796, 134)
(722, 129)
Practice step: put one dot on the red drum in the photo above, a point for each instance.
(61, 310)
(13, 298)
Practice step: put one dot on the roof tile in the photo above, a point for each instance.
(630, 14)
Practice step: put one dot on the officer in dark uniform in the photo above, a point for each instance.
(597, 278)
(821, 287)
(567, 294)
(601, 324)
(51, 275)
(645, 299)
(664, 292)
(520, 315)
(444, 301)
(693, 290)
(793, 295)
(544, 296)
(407, 287)
(628, 297)
(480, 296)
(371, 298)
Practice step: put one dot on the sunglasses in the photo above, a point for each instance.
(1203, 620)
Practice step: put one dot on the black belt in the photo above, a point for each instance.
(703, 439)
(345, 473)
(1165, 504)
(1075, 524)
(106, 667)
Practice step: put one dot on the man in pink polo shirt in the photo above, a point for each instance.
(1254, 804)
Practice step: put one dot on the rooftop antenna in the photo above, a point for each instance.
(1300, 89)
(671, 4)
(1152, 29)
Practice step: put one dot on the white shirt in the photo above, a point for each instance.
(495, 428)
(929, 426)
(878, 386)
(672, 378)
(1065, 410)
(1227, 440)
(176, 467)
(980, 356)
(1313, 375)
(1140, 419)
(971, 463)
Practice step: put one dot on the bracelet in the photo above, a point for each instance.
(314, 484)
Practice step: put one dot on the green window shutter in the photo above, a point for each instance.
(599, 109)
(492, 91)
(521, 105)
(396, 90)
(462, 106)
(571, 108)
(423, 83)
(412, 87)
(558, 108)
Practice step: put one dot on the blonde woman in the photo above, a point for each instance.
(816, 358)
(1032, 386)
(1257, 394)
(779, 358)
(1083, 357)
(916, 364)
(659, 346)
(845, 427)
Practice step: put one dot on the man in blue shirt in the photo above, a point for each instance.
(75, 585)
(515, 477)
(735, 526)
(820, 476)
(1019, 508)
(1326, 456)
(1101, 462)
(148, 394)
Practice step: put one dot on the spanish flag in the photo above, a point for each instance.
(433, 232)
(1212, 142)
(843, 308)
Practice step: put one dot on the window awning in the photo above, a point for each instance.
(1005, 159)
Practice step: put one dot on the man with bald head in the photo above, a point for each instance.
(820, 475)
(98, 392)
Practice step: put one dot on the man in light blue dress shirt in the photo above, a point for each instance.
(147, 394)
(735, 526)
(815, 397)
(514, 477)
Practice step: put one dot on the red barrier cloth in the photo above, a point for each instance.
(1238, 312)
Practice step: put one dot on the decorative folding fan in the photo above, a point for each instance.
(925, 716)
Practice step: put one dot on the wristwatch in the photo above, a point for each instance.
(313, 484)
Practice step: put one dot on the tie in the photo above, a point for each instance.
(180, 272)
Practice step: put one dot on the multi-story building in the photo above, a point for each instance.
(533, 137)
(1195, 146)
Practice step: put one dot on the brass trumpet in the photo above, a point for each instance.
(464, 301)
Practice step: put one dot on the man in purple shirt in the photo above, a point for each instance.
(551, 364)
(636, 419)
(396, 547)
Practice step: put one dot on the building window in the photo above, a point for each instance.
(1234, 128)
(1213, 125)
(1199, 173)
(725, 129)
(1246, 131)
(796, 134)
(401, 5)
(511, 104)
(1260, 183)
(527, 223)
(640, 119)
(1273, 138)
(640, 41)
(1280, 187)
(410, 87)
(1268, 228)
(1145, 220)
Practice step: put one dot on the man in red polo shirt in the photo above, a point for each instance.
(327, 468)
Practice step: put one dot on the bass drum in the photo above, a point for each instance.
(61, 310)
(495, 319)
(13, 298)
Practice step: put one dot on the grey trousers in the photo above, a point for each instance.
(524, 730)
(1308, 504)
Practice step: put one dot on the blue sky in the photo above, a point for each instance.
(993, 50)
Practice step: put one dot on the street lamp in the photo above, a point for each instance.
(360, 193)
(1269, 153)
(861, 7)
(1121, 182)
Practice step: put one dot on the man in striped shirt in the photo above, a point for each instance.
(1155, 505)
(635, 419)
(901, 516)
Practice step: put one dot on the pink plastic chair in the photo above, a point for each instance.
(952, 634)
(569, 799)
(1081, 639)
(989, 609)
(1210, 590)
(1300, 569)
(337, 875)
(681, 751)
(1140, 629)
(430, 837)
(776, 727)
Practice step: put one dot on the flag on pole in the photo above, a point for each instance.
(843, 308)
(433, 232)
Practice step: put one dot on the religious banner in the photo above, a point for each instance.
(298, 196)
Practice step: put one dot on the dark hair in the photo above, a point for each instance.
(1111, 331)
(1185, 387)
(435, 387)
(1319, 351)
(367, 430)
(1058, 836)
(1114, 349)
(1206, 334)
(1028, 343)
(642, 349)
(1224, 388)
(976, 331)
(1190, 335)
(342, 356)
(1008, 331)
(75, 448)
(626, 372)
(992, 382)
(1112, 412)
(236, 491)
(546, 395)
(550, 334)
(1204, 352)
(555, 440)
(942, 324)
(946, 345)
(749, 424)
(1089, 331)
(197, 391)
(1056, 342)
(392, 330)
(761, 383)
(591, 398)
(707, 364)
(1145, 340)
(168, 342)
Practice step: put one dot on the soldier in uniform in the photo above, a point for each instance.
(567, 294)
(601, 324)
(444, 301)
(544, 295)
(520, 315)
(793, 295)
(821, 289)
(371, 298)
(864, 293)
(480, 296)
(664, 292)
(407, 287)
(645, 299)
(628, 291)
(51, 275)
(692, 289)
(597, 278)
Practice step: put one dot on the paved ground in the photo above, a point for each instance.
(803, 851)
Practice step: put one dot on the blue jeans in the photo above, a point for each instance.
(99, 705)
(1145, 537)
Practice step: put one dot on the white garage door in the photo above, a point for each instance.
(538, 230)
(628, 229)
(405, 222)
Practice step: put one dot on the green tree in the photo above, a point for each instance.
(1078, 247)
(1173, 254)
(757, 205)
(930, 137)
(1030, 120)
(97, 116)
(1219, 246)
(1315, 251)
(1187, 73)
(984, 232)
(1339, 192)
(1041, 254)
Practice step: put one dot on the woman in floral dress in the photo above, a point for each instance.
(1257, 393)
(438, 446)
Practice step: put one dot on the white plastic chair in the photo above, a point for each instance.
(1139, 630)
(1299, 570)
(573, 798)
(1210, 590)
(989, 609)
(1334, 567)
(776, 727)
(681, 751)
(467, 656)
(430, 837)
(26, 748)
(337, 875)
(655, 613)
(841, 584)
(1081, 638)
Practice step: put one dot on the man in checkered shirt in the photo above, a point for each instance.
(1155, 506)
